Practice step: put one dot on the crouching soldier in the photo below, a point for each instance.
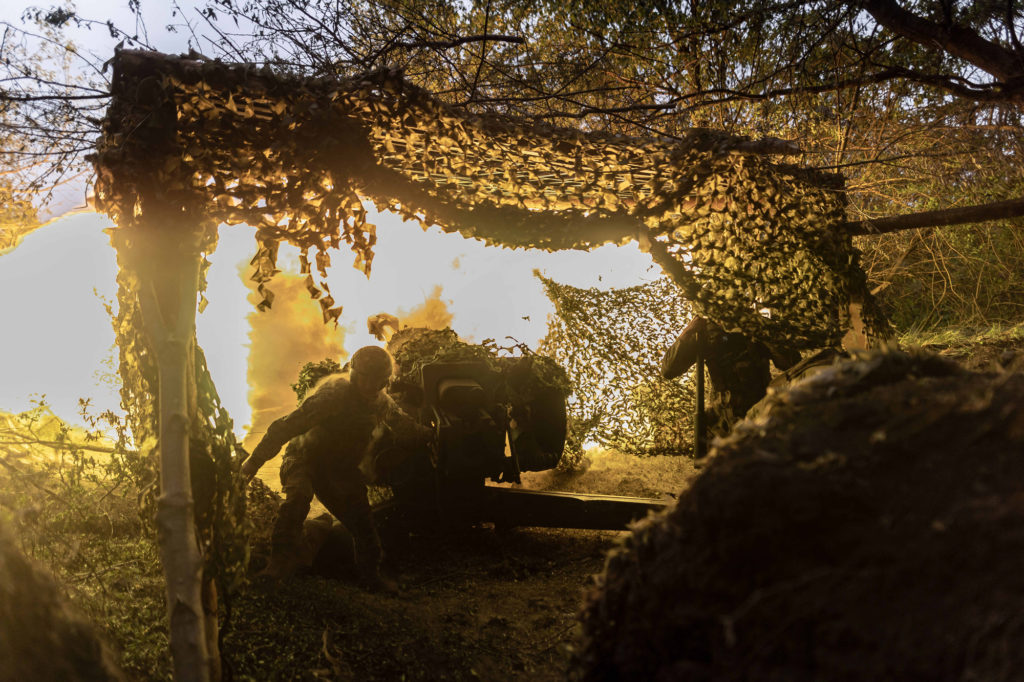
(738, 368)
(328, 436)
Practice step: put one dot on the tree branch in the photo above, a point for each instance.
(957, 40)
(5, 97)
(17, 439)
(447, 44)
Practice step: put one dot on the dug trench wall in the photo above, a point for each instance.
(42, 637)
(867, 524)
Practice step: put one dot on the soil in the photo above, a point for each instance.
(480, 604)
(867, 524)
(485, 604)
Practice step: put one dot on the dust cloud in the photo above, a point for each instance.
(610, 472)
(281, 340)
(433, 313)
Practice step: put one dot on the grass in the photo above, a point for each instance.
(88, 532)
(482, 605)
(961, 337)
(610, 472)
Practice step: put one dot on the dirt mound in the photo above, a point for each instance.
(41, 636)
(868, 524)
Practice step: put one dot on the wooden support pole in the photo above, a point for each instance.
(999, 210)
(700, 427)
(168, 270)
(162, 238)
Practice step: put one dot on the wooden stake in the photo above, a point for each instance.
(168, 270)
(700, 439)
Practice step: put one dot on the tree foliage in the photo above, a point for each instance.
(52, 96)
(917, 105)
(651, 63)
(311, 373)
(17, 218)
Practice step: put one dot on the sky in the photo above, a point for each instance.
(58, 340)
(96, 43)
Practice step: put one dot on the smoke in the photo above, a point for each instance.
(433, 313)
(281, 340)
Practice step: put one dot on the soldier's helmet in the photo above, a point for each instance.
(373, 363)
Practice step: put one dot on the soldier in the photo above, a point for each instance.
(738, 368)
(328, 436)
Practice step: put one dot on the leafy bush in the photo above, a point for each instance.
(930, 279)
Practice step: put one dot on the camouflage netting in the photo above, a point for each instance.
(414, 347)
(524, 376)
(611, 343)
(755, 245)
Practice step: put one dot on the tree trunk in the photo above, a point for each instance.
(169, 280)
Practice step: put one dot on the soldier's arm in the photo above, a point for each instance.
(406, 429)
(315, 408)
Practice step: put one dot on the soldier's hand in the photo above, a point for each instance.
(249, 468)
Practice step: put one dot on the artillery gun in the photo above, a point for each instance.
(492, 419)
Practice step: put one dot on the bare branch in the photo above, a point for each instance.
(448, 44)
(954, 39)
(7, 97)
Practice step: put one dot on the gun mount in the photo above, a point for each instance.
(483, 431)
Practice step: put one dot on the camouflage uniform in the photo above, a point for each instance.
(328, 436)
(738, 368)
(739, 372)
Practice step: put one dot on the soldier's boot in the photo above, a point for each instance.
(315, 534)
(289, 553)
(368, 561)
(283, 564)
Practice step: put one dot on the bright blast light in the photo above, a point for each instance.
(58, 339)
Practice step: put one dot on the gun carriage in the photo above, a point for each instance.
(492, 419)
